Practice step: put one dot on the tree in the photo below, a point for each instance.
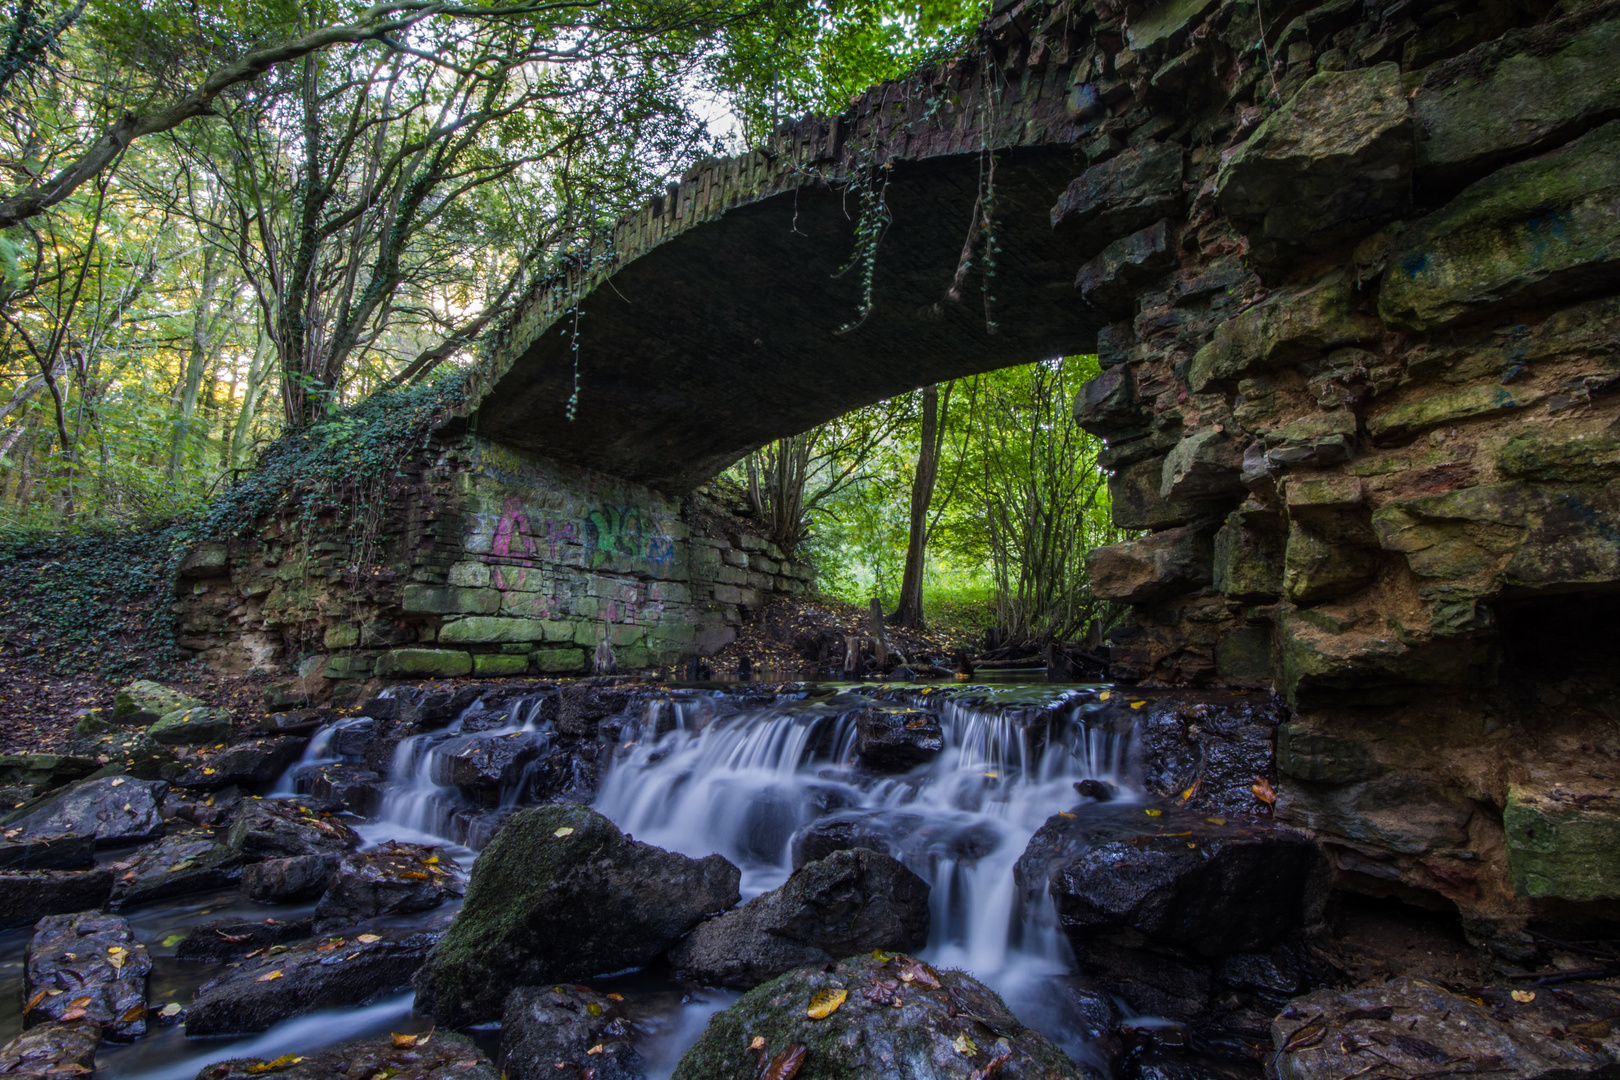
(935, 413)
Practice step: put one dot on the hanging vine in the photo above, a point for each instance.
(871, 187)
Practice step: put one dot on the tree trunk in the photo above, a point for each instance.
(191, 381)
(909, 611)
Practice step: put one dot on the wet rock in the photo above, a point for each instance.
(899, 1018)
(113, 809)
(850, 902)
(279, 829)
(485, 763)
(178, 865)
(894, 740)
(1334, 161)
(395, 879)
(443, 1055)
(561, 894)
(355, 788)
(1208, 751)
(88, 966)
(227, 939)
(567, 1030)
(61, 1049)
(321, 974)
(581, 706)
(210, 810)
(1154, 567)
(278, 881)
(196, 726)
(44, 771)
(1086, 1012)
(26, 896)
(48, 853)
(144, 701)
(1176, 878)
(249, 764)
(1408, 1027)
(824, 836)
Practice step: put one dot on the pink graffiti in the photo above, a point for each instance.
(512, 531)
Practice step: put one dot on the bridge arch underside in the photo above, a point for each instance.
(727, 335)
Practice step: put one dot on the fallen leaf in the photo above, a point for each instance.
(1591, 1029)
(915, 971)
(79, 1003)
(271, 1066)
(562, 832)
(786, 1065)
(758, 1043)
(965, 1046)
(413, 875)
(1153, 813)
(597, 1049)
(33, 1001)
(434, 861)
(233, 937)
(1523, 997)
(132, 1014)
(73, 1014)
(405, 1042)
(615, 997)
(592, 1009)
(1066, 814)
(269, 976)
(1216, 820)
(1306, 1035)
(823, 1003)
(116, 782)
(991, 1067)
(1262, 790)
(367, 939)
(173, 939)
(171, 1009)
(1137, 704)
(1104, 696)
(328, 946)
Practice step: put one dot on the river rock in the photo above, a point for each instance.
(144, 701)
(443, 1055)
(227, 939)
(87, 966)
(894, 740)
(392, 880)
(26, 896)
(212, 810)
(850, 902)
(321, 974)
(355, 788)
(278, 881)
(113, 809)
(567, 1030)
(48, 853)
(826, 835)
(1408, 1027)
(178, 865)
(561, 894)
(195, 726)
(280, 829)
(1176, 877)
(900, 1019)
(250, 764)
(485, 763)
(61, 1049)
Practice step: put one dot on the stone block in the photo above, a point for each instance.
(1249, 556)
(347, 667)
(424, 663)
(1324, 758)
(1205, 465)
(558, 661)
(1408, 419)
(762, 564)
(1111, 281)
(1293, 325)
(1243, 657)
(341, 636)
(205, 560)
(1559, 845)
(1318, 439)
(751, 542)
(1561, 457)
(1135, 501)
(469, 575)
(1121, 195)
(1541, 229)
(734, 557)
(674, 592)
(494, 665)
(1527, 91)
(621, 634)
(731, 575)
(489, 630)
(1162, 21)
(1323, 666)
(1107, 405)
(1316, 569)
(449, 600)
(1318, 495)
(1153, 567)
(1336, 160)
(1114, 343)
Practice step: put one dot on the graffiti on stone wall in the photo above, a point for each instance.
(615, 530)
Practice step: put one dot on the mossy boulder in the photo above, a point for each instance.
(1562, 845)
(561, 895)
(1316, 569)
(1154, 567)
(1249, 556)
(193, 726)
(899, 1019)
(143, 701)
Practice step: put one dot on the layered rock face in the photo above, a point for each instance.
(1360, 400)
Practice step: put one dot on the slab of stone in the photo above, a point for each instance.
(1111, 281)
(219, 940)
(28, 895)
(181, 864)
(1249, 556)
(1107, 404)
(1561, 456)
(48, 853)
(252, 764)
(284, 828)
(88, 966)
(895, 740)
(1563, 840)
(324, 973)
(1289, 326)
(393, 879)
(436, 1055)
(1323, 666)
(424, 663)
(195, 726)
(113, 809)
(144, 701)
(1155, 567)
(559, 1030)
(1317, 569)
(281, 881)
(67, 1048)
(1133, 492)
(1400, 423)
(1121, 195)
(1204, 465)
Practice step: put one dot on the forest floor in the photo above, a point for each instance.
(792, 637)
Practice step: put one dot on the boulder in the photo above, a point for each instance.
(355, 788)
(1176, 878)
(250, 764)
(278, 881)
(88, 966)
(210, 810)
(395, 879)
(894, 740)
(1249, 555)
(1317, 569)
(144, 701)
(561, 894)
(1110, 281)
(485, 763)
(895, 1017)
(228, 939)
(180, 864)
(826, 835)
(197, 725)
(567, 1031)
(1154, 567)
(441, 1055)
(48, 853)
(319, 974)
(1106, 405)
(1291, 325)
(1408, 1027)
(850, 902)
(26, 896)
(67, 1048)
(1121, 195)
(279, 829)
(1133, 494)
(113, 809)
(1335, 161)
(1204, 465)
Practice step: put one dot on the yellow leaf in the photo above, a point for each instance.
(1216, 820)
(405, 1042)
(434, 861)
(171, 1009)
(78, 1003)
(1524, 996)
(965, 1046)
(1066, 814)
(269, 976)
(172, 940)
(34, 1001)
(562, 832)
(597, 1049)
(367, 939)
(615, 997)
(73, 1014)
(210, 771)
(1104, 696)
(592, 1009)
(1153, 813)
(281, 1062)
(1137, 704)
(991, 775)
(134, 1013)
(823, 1003)
(758, 1043)
(413, 875)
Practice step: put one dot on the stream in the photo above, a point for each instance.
(699, 770)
